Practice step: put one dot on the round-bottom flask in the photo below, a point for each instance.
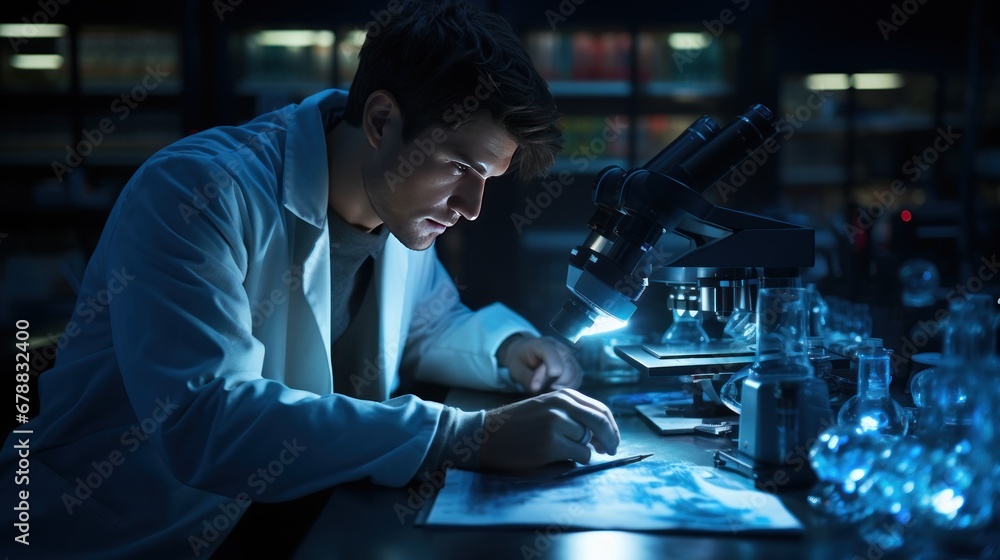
(872, 408)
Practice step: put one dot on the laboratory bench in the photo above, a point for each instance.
(363, 520)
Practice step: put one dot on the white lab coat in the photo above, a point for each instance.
(195, 374)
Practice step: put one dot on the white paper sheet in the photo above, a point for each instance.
(648, 495)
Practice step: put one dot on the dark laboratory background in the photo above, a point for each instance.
(890, 148)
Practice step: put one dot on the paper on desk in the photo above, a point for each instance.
(648, 495)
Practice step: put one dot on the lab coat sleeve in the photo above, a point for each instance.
(182, 336)
(449, 343)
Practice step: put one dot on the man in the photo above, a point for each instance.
(273, 284)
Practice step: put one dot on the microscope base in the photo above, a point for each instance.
(766, 476)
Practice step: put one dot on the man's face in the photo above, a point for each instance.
(424, 186)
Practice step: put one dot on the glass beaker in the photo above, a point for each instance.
(779, 340)
(783, 405)
(819, 312)
(731, 393)
(782, 333)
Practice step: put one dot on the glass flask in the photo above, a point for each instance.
(844, 454)
(741, 326)
(934, 494)
(873, 408)
(958, 422)
(731, 392)
(920, 382)
(919, 278)
(843, 457)
(969, 337)
(892, 496)
(686, 329)
(742, 323)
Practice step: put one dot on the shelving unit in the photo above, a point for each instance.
(628, 76)
(109, 96)
(89, 95)
(272, 67)
(121, 84)
(899, 132)
(654, 82)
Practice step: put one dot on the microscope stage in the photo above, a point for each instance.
(706, 359)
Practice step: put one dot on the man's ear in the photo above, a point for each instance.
(380, 110)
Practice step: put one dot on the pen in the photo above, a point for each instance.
(602, 466)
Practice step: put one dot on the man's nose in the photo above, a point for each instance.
(467, 199)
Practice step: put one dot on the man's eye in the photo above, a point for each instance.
(460, 167)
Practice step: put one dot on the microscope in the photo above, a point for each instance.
(654, 223)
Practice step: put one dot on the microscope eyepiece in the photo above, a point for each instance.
(725, 150)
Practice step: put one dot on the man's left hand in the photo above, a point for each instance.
(542, 364)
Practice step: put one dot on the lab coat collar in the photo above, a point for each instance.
(306, 194)
(306, 176)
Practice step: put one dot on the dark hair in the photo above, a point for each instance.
(446, 62)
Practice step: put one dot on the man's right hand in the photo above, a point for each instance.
(551, 427)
